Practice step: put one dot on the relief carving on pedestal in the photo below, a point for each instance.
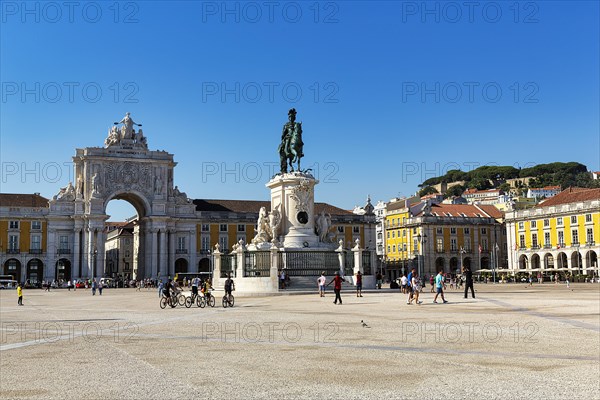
(128, 176)
(302, 195)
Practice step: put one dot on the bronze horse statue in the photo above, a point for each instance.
(290, 149)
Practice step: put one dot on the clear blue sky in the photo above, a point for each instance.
(392, 92)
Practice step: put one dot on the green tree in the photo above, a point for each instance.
(456, 190)
(427, 190)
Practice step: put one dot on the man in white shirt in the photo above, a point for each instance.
(321, 281)
(403, 283)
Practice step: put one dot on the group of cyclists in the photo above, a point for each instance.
(172, 295)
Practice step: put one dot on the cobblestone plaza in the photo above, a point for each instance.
(512, 341)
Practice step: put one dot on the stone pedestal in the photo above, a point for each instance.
(293, 195)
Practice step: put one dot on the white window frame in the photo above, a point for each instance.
(36, 244)
(205, 243)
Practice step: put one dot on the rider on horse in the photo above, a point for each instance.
(291, 142)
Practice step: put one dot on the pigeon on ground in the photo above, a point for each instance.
(364, 325)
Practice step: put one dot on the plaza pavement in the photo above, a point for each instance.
(513, 341)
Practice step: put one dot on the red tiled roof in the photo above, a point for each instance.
(572, 195)
(22, 200)
(491, 210)
(457, 210)
(253, 206)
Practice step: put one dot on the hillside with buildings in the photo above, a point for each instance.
(541, 181)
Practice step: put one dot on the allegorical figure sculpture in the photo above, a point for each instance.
(127, 130)
(96, 186)
(323, 225)
(291, 146)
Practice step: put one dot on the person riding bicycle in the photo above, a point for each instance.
(229, 285)
(195, 283)
(167, 289)
(205, 287)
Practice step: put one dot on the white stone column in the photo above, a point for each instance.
(76, 252)
(216, 269)
(357, 254)
(50, 273)
(239, 252)
(193, 267)
(148, 252)
(340, 251)
(171, 268)
(163, 267)
(100, 267)
(154, 250)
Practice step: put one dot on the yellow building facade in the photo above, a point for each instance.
(560, 235)
(433, 237)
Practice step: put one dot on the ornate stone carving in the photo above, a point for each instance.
(322, 226)
(158, 182)
(180, 197)
(262, 227)
(127, 131)
(141, 140)
(113, 137)
(267, 226)
(128, 176)
(96, 185)
(302, 195)
(274, 222)
(65, 194)
(79, 187)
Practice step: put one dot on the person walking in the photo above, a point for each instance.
(359, 284)
(416, 285)
(567, 279)
(468, 281)
(432, 282)
(403, 283)
(379, 278)
(100, 286)
(20, 294)
(69, 285)
(94, 286)
(321, 282)
(409, 285)
(337, 287)
(439, 286)
(160, 288)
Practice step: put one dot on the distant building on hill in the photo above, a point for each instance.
(545, 192)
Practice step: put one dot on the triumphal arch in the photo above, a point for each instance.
(124, 168)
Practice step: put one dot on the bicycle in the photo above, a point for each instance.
(181, 298)
(228, 300)
(207, 299)
(171, 301)
(194, 298)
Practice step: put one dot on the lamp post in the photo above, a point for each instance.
(95, 263)
(496, 248)
(462, 252)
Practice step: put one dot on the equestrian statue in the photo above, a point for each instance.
(290, 149)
